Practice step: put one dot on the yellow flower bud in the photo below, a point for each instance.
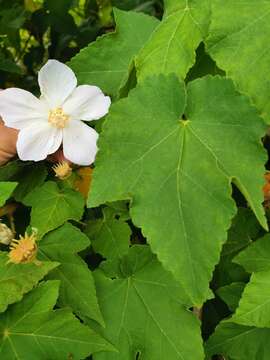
(62, 170)
(24, 250)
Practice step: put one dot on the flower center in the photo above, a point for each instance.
(58, 118)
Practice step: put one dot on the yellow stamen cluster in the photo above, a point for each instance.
(24, 250)
(58, 118)
(62, 170)
(6, 234)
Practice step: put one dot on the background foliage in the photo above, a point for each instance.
(160, 250)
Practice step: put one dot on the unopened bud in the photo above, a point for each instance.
(6, 235)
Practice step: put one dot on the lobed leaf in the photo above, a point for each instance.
(32, 177)
(238, 42)
(239, 342)
(144, 313)
(255, 257)
(172, 46)
(110, 236)
(153, 156)
(31, 330)
(231, 294)
(107, 62)
(246, 333)
(52, 206)
(254, 305)
(77, 287)
(18, 279)
(243, 230)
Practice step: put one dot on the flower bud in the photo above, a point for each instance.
(62, 170)
(6, 234)
(24, 250)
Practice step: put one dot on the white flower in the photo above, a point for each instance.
(55, 118)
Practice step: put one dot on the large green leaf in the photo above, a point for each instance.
(52, 206)
(17, 279)
(77, 288)
(31, 330)
(108, 61)
(239, 42)
(144, 314)
(172, 45)
(239, 342)
(6, 189)
(176, 170)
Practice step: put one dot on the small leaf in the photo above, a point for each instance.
(255, 257)
(246, 329)
(6, 189)
(172, 46)
(32, 177)
(9, 170)
(110, 236)
(52, 207)
(77, 288)
(254, 306)
(244, 229)
(239, 342)
(32, 330)
(231, 294)
(107, 62)
(18, 279)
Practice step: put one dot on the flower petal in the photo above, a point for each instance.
(37, 142)
(19, 108)
(80, 143)
(56, 82)
(87, 103)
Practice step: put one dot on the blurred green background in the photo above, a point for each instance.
(32, 31)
